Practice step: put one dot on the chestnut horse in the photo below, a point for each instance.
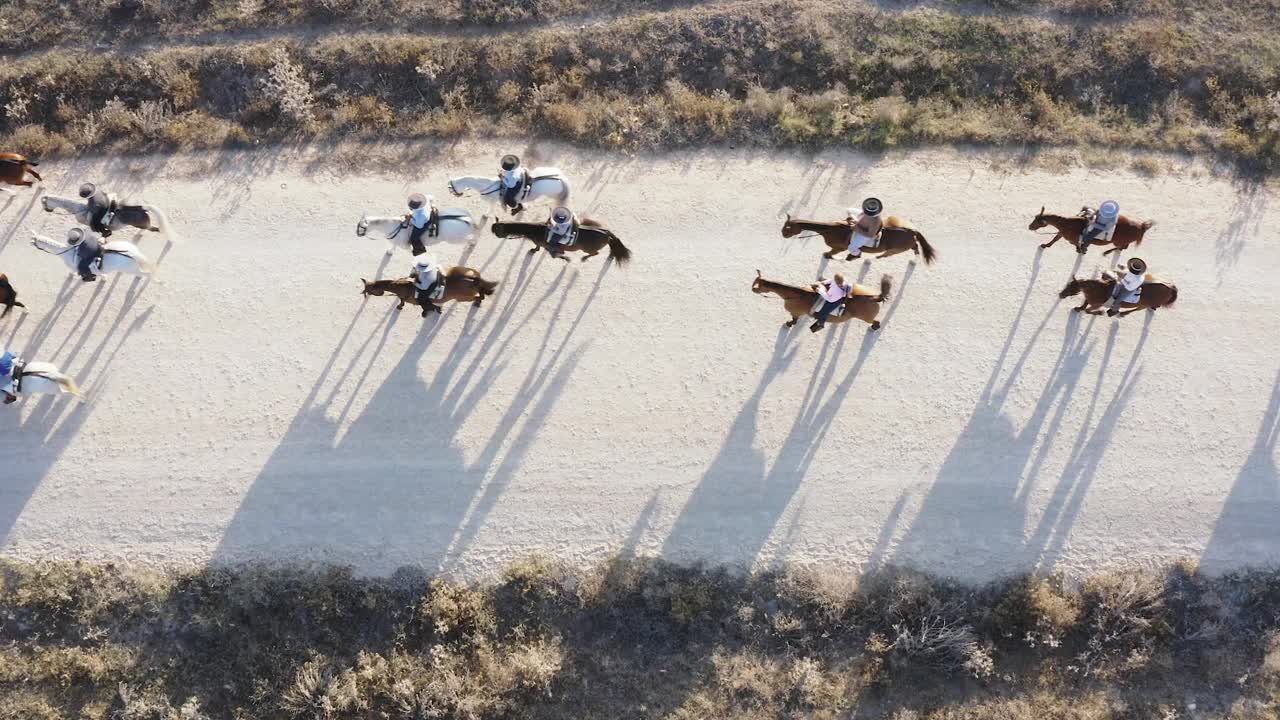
(896, 236)
(8, 296)
(590, 239)
(14, 169)
(1128, 231)
(863, 303)
(461, 284)
(1097, 292)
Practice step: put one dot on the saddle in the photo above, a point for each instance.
(438, 292)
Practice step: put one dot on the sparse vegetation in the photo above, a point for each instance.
(1162, 75)
(633, 639)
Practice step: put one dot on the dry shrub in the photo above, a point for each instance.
(200, 130)
(364, 112)
(35, 141)
(286, 86)
(459, 612)
(1124, 620)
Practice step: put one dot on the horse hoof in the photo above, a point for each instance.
(875, 325)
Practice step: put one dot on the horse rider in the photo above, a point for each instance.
(1102, 224)
(8, 370)
(513, 178)
(421, 208)
(866, 226)
(88, 250)
(834, 292)
(102, 208)
(426, 276)
(1128, 286)
(562, 229)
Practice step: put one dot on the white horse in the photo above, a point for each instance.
(544, 182)
(118, 257)
(456, 226)
(143, 217)
(42, 378)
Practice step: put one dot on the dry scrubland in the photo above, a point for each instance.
(633, 639)
(1178, 75)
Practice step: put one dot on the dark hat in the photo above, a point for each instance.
(872, 206)
(510, 162)
(87, 189)
(1137, 266)
(417, 200)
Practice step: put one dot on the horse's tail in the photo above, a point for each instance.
(163, 225)
(1072, 287)
(1173, 296)
(30, 168)
(886, 285)
(68, 385)
(926, 249)
(618, 251)
(144, 263)
(487, 286)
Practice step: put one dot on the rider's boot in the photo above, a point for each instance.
(817, 326)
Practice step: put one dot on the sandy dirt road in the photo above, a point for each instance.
(246, 402)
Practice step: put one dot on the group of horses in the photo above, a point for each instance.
(117, 257)
(900, 236)
(457, 226)
(463, 284)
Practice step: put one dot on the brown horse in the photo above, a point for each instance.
(8, 296)
(14, 169)
(1128, 231)
(461, 284)
(863, 303)
(897, 236)
(1097, 292)
(590, 239)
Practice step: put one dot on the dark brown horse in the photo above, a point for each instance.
(591, 239)
(1128, 231)
(14, 169)
(1097, 292)
(863, 303)
(461, 284)
(8, 296)
(897, 236)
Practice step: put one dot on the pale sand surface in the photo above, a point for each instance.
(247, 403)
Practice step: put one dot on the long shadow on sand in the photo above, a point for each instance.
(737, 504)
(35, 434)
(394, 488)
(1248, 530)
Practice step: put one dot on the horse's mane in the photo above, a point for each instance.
(783, 286)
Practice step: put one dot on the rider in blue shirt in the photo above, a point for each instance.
(8, 361)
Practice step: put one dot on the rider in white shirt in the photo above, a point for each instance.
(426, 275)
(1129, 286)
(513, 178)
(419, 217)
(1101, 225)
(561, 229)
(866, 226)
(833, 292)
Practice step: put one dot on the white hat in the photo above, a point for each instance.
(1109, 210)
(424, 261)
(75, 235)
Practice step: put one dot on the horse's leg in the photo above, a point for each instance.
(792, 322)
(829, 255)
(875, 324)
(589, 255)
(1055, 239)
(34, 174)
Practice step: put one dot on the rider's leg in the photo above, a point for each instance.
(85, 273)
(424, 299)
(856, 243)
(415, 240)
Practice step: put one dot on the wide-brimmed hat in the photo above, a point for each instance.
(872, 206)
(87, 189)
(75, 235)
(417, 200)
(561, 214)
(510, 162)
(1109, 210)
(1137, 266)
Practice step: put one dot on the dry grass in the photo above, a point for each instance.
(632, 639)
(772, 72)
